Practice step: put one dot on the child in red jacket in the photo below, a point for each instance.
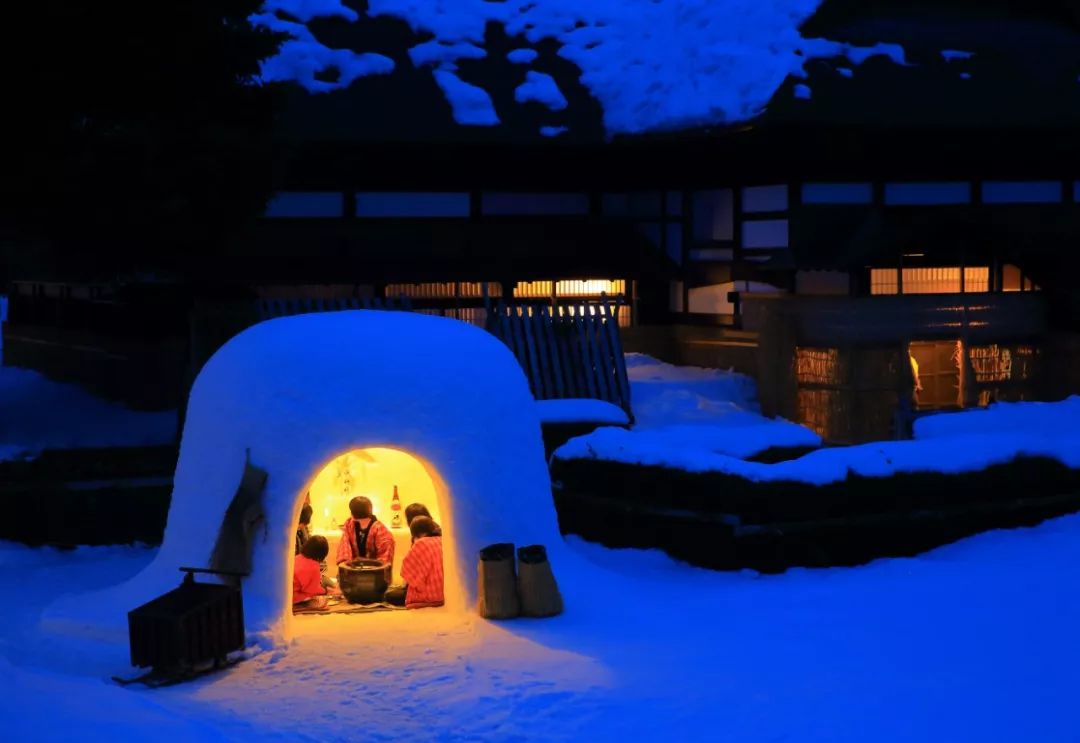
(422, 568)
(307, 577)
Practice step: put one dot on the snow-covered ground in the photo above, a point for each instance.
(706, 420)
(37, 413)
(652, 64)
(974, 641)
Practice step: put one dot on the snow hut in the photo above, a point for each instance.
(435, 406)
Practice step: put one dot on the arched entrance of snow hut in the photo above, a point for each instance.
(375, 472)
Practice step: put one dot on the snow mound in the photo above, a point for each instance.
(652, 65)
(689, 418)
(294, 393)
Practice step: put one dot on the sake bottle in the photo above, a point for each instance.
(395, 506)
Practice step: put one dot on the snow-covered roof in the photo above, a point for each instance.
(571, 72)
(297, 392)
(652, 65)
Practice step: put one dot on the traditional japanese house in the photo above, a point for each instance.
(886, 238)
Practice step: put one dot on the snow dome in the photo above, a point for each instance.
(437, 407)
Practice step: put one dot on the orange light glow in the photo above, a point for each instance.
(374, 472)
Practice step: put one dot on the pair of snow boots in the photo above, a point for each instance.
(531, 591)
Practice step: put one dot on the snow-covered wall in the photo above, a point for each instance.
(652, 64)
(299, 391)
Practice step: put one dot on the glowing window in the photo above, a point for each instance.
(444, 290)
(589, 287)
(884, 281)
(1010, 278)
(930, 280)
(533, 289)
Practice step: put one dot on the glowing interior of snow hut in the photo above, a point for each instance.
(394, 482)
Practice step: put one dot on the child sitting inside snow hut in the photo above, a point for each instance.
(422, 568)
(363, 535)
(303, 529)
(419, 509)
(307, 578)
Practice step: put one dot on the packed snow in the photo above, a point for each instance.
(541, 88)
(973, 641)
(652, 65)
(581, 411)
(471, 104)
(688, 417)
(302, 58)
(37, 414)
(523, 56)
(715, 426)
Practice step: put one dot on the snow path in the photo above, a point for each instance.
(974, 641)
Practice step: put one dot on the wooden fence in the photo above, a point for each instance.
(566, 351)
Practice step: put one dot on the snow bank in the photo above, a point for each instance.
(1028, 418)
(296, 392)
(706, 420)
(662, 393)
(652, 65)
(696, 448)
(690, 418)
(37, 414)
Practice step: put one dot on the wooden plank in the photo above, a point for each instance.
(605, 358)
(540, 321)
(556, 357)
(535, 368)
(606, 355)
(562, 336)
(601, 374)
(621, 377)
(586, 356)
(573, 360)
